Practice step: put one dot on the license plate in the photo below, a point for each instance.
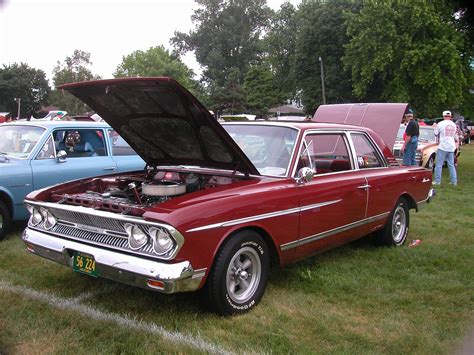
(85, 264)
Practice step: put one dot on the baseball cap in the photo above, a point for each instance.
(446, 113)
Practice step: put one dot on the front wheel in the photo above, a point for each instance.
(396, 229)
(239, 276)
(430, 163)
(5, 220)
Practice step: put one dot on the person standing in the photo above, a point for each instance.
(446, 131)
(410, 140)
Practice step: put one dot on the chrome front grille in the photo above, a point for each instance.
(101, 228)
(98, 230)
(88, 220)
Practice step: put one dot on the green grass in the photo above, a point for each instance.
(354, 299)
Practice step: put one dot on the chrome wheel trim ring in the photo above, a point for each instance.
(243, 275)
(399, 223)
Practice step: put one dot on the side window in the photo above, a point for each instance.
(80, 143)
(119, 146)
(47, 151)
(324, 153)
(366, 154)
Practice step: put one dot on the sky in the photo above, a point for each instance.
(42, 32)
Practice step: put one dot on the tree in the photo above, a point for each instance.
(323, 35)
(27, 84)
(156, 61)
(261, 92)
(229, 98)
(72, 69)
(406, 52)
(226, 39)
(280, 45)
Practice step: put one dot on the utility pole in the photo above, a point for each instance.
(322, 80)
(17, 99)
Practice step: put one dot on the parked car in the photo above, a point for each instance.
(38, 154)
(427, 147)
(204, 214)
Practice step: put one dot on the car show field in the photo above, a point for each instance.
(357, 298)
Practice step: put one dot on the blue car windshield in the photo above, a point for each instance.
(19, 141)
(269, 148)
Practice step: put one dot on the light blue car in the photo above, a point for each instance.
(34, 155)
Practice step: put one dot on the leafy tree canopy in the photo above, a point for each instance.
(403, 51)
(280, 46)
(229, 98)
(323, 34)
(156, 61)
(261, 91)
(227, 36)
(27, 84)
(72, 69)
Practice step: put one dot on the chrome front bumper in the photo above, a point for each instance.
(429, 198)
(130, 270)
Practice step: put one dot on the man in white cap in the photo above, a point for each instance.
(446, 131)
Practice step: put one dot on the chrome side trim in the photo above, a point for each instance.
(263, 216)
(331, 232)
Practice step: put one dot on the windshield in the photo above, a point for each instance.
(269, 148)
(401, 130)
(19, 141)
(427, 134)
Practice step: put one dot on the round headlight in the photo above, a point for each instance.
(162, 241)
(36, 217)
(49, 221)
(136, 237)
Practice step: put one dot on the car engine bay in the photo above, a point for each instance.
(131, 194)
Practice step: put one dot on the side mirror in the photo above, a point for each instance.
(304, 175)
(61, 156)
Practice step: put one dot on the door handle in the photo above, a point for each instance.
(110, 168)
(365, 187)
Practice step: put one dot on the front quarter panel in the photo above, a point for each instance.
(16, 182)
(208, 219)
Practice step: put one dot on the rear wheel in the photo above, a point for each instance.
(5, 220)
(396, 230)
(239, 276)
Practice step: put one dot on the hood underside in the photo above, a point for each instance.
(383, 118)
(163, 122)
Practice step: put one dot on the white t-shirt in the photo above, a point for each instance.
(446, 130)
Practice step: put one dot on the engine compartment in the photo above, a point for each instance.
(131, 194)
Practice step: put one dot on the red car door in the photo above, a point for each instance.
(333, 204)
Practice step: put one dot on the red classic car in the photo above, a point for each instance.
(217, 204)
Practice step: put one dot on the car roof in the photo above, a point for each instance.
(307, 125)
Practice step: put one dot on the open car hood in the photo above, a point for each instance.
(382, 118)
(163, 122)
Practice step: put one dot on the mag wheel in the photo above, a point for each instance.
(396, 229)
(239, 275)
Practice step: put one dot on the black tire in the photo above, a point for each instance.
(396, 229)
(239, 275)
(430, 164)
(5, 220)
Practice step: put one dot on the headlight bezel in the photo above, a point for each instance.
(132, 230)
(163, 242)
(36, 216)
(49, 221)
